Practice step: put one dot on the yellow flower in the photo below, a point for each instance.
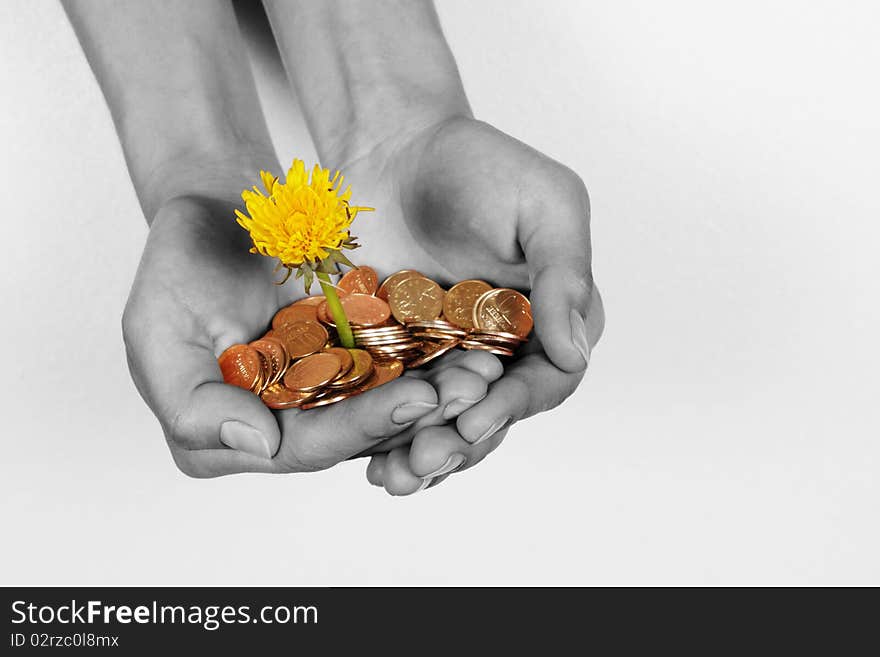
(302, 221)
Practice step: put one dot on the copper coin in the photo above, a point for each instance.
(346, 362)
(504, 310)
(394, 339)
(500, 335)
(365, 310)
(240, 366)
(383, 372)
(390, 282)
(278, 397)
(265, 373)
(416, 299)
(362, 369)
(459, 302)
(323, 312)
(297, 312)
(379, 330)
(314, 300)
(273, 349)
(329, 399)
(312, 372)
(491, 348)
(433, 350)
(363, 280)
(302, 338)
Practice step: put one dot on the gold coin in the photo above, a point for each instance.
(458, 305)
(503, 310)
(312, 372)
(302, 338)
(433, 350)
(395, 278)
(416, 299)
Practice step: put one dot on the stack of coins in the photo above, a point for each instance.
(406, 322)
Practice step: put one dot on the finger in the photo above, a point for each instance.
(531, 385)
(376, 469)
(398, 478)
(486, 447)
(457, 390)
(321, 437)
(206, 463)
(483, 363)
(439, 451)
(556, 242)
(436, 453)
(180, 379)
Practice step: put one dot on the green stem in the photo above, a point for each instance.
(335, 307)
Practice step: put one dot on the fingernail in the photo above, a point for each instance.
(244, 438)
(425, 484)
(457, 407)
(452, 464)
(495, 428)
(412, 411)
(579, 335)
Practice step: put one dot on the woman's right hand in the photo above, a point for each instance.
(198, 290)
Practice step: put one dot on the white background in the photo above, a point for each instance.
(727, 431)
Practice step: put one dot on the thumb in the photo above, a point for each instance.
(175, 369)
(556, 243)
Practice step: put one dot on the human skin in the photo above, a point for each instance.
(455, 199)
(184, 104)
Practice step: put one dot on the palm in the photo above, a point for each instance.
(446, 204)
(196, 275)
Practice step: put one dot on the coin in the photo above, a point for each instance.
(416, 299)
(323, 312)
(240, 366)
(314, 300)
(395, 278)
(433, 350)
(302, 338)
(362, 369)
(265, 373)
(383, 372)
(278, 397)
(491, 348)
(363, 280)
(458, 304)
(297, 312)
(273, 350)
(346, 362)
(312, 372)
(504, 310)
(365, 310)
(327, 400)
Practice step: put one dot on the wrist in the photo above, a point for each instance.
(366, 72)
(219, 174)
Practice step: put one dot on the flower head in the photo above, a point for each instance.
(304, 222)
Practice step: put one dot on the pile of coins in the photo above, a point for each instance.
(406, 322)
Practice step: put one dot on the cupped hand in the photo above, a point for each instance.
(461, 200)
(197, 291)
